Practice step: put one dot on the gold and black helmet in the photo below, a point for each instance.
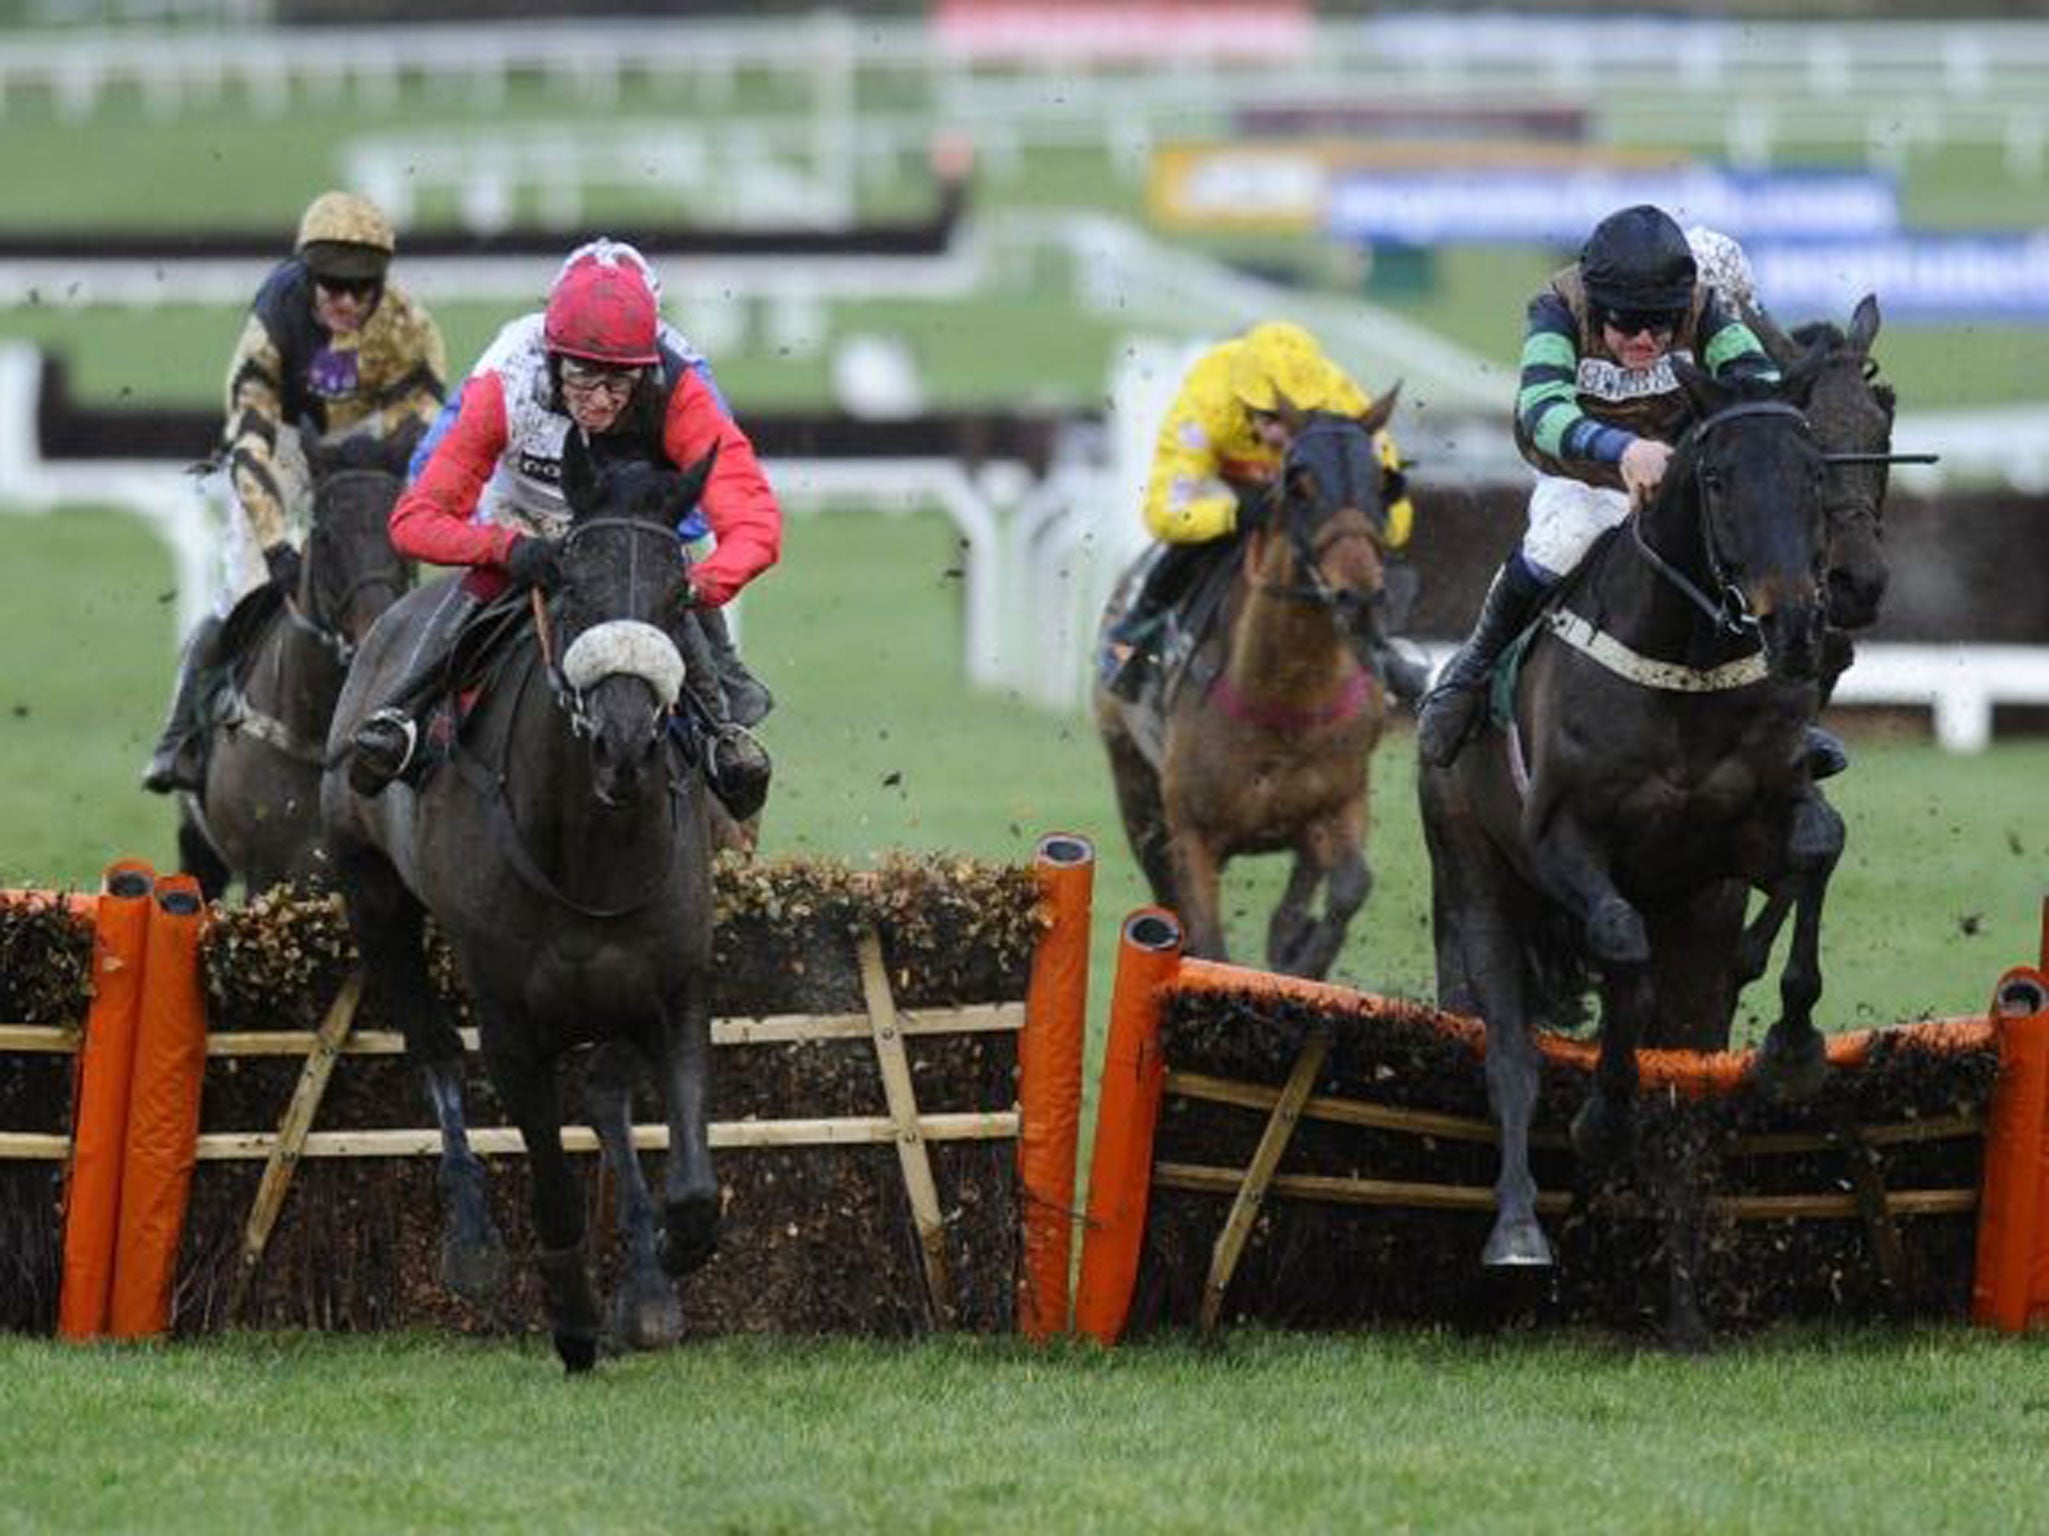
(343, 235)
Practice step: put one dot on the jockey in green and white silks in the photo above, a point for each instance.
(1596, 415)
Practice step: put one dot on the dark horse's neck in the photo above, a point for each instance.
(297, 678)
(1639, 586)
(603, 859)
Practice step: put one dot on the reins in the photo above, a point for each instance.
(1732, 615)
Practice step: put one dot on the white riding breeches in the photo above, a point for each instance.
(1566, 516)
(242, 567)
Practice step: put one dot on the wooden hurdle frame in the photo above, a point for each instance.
(1049, 1023)
(2011, 1287)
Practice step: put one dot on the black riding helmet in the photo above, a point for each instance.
(1638, 259)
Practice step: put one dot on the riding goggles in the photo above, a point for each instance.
(596, 378)
(350, 287)
(1632, 322)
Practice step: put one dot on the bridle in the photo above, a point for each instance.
(321, 619)
(572, 699)
(1730, 615)
(1310, 584)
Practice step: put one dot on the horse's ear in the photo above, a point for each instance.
(1292, 416)
(690, 486)
(1382, 410)
(581, 485)
(1864, 325)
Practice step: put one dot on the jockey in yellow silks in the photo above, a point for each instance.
(1220, 446)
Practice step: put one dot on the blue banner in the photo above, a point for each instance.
(1916, 277)
(1450, 206)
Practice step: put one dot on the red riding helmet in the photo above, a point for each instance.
(603, 311)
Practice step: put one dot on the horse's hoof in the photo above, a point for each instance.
(1616, 934)
(646, 1314)
(579, 1352)
(475, 1270)
(1791, 1067)
(1603, 1131)
(690, 1235)
(1687, 1336)
(1516, 1244)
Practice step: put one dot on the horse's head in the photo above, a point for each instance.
(351, 574)
(625, 586)
(1851, 409)
(1754, 475)
(1331, 512)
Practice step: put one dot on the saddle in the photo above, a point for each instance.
(1176, 634)
(221, 705)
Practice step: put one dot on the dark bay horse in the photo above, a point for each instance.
(563, 852)
(1851, 410)
(1271, 753)
(259, 815)
(1655, 773)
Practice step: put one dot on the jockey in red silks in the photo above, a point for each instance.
(487, 493)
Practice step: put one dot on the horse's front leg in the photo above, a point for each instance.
(1332, 854)
(645, 1313)
(1198, 881)
(1792, 1063)
(473, 1262)
(388, 922)
(527, 1087)
(1574, 868)
(690, 1190)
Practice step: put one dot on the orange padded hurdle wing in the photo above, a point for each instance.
(1127, 1113)
(2010, 1288)
(163, 1114)
(106, 1063)
(1049, 1082)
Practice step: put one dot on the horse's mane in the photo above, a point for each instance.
(1826, 332)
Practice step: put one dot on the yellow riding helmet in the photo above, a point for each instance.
(342, 234)
(1279, 361)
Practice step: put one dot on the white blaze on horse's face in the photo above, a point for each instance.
(629, 648)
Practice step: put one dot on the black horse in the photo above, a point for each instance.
(1851, 410)
(1653, 772)
(259, 815)
(563, 852)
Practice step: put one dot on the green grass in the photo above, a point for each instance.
(1932, 1431)
(880, 744)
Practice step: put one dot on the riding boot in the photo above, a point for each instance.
(179, 759)
(736, 765)
(1139, 630)
(1407, 679)
(1451, 708)
(748, 700)
(386, 744)
(1826, 754)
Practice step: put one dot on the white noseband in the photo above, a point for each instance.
(625, 646)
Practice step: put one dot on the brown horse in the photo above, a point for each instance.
(1262, 743)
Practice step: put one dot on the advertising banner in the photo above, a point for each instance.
(1452, 205)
